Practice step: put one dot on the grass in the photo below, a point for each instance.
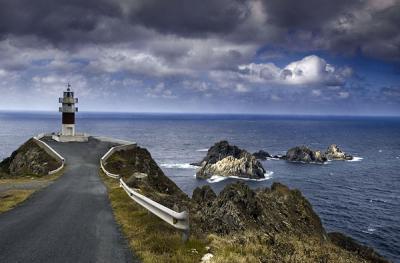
(11, 198)
(151, 239)
(283, 248)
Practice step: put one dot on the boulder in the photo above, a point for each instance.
(223, 159)
(262, 155)
(335, 153)
(304, 154)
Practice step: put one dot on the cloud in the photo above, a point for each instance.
(370, 26)
(311, 70)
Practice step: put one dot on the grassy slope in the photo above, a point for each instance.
(149, 237)
(283, 248)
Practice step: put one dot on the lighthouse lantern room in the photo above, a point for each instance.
(68, 110)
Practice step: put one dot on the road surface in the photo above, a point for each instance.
(69, 221)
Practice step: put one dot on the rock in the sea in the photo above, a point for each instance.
(335, 153)
(304, 154)
(29, 159)
(262, 155)
(219, 151)
(228, 160)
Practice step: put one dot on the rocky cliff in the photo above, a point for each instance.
(223, 159)
(274, 224)
(29, 159)
(270, 210)
(140, 171)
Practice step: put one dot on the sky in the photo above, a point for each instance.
(319, 57)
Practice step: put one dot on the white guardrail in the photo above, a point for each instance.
(50, 151)
(178, 220)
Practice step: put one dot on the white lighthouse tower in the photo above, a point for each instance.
(68, 110)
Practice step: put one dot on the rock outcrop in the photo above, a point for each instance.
(203, 195)
(335, 153)
(262, 155)
(274, 220)
(239, 208)
(304, 154)
(228, 160)
(140, 171)
(29, 159)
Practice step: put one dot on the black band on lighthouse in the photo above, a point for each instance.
(68, 118)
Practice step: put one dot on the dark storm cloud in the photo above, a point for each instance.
(305, 14)
(184, 17)
(344, 26)
(54, 21)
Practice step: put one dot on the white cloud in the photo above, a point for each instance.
(311, 70)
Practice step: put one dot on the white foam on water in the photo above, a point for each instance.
(355, 159)
(178, 166)
(380, 151)
(217, 178)
(202, 150)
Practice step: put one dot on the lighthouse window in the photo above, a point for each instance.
(69, 104)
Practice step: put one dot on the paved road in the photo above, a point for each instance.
(69, 221)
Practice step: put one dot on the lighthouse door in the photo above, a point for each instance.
(70, 131)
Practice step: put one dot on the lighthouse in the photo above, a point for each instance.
(68, 110)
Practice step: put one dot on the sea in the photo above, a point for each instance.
(360, 198)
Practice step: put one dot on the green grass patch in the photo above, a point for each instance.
(152, 239)
(11, 198)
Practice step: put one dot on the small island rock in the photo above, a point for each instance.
(228, 160)
(262, 155)
(304, 154)
(335, 153)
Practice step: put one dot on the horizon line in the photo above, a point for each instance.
(207, 113)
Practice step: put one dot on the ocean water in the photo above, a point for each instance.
(360, 198)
